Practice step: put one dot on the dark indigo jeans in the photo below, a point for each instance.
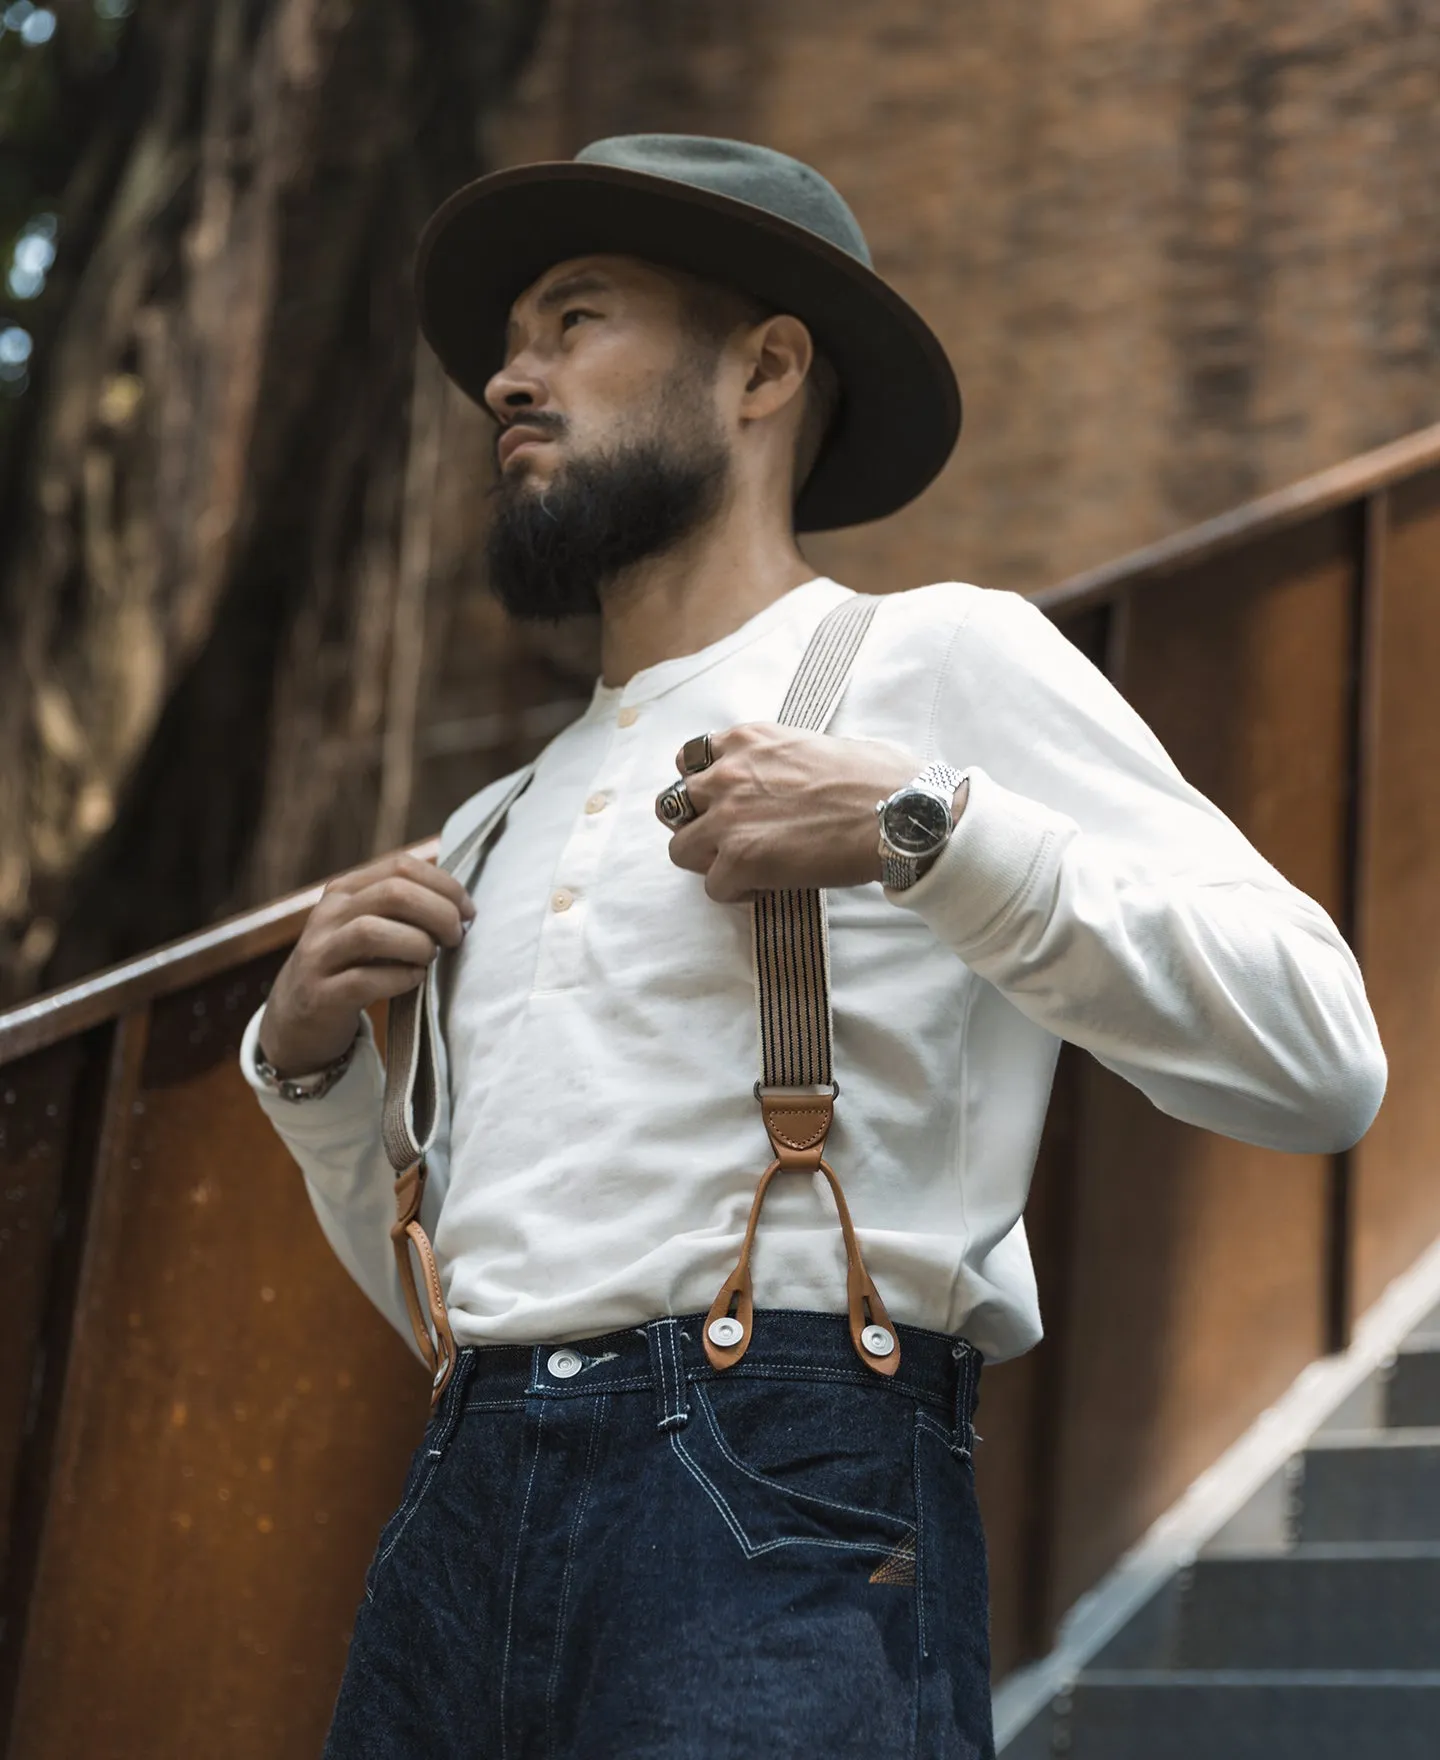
(645, 1560)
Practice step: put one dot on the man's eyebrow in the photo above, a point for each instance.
(571, 287)
(568, 287)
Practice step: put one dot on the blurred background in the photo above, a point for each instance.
(1184, 254)
(1180, 254)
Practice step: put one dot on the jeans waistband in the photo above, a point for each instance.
(786, 1345)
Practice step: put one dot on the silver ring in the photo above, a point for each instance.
(673, 806)
(697, 754)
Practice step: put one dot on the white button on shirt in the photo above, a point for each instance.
(599, 1141)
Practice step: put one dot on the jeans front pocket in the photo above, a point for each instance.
(424, 1464)
(801, 1463)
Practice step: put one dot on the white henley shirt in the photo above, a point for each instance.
(599, 1141)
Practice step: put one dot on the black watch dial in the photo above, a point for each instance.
(916, 824)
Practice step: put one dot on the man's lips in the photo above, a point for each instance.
(514, 438)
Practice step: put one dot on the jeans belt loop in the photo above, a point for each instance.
(667, 1371)
(967, 1369)
(452, 1400)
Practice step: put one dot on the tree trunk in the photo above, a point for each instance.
(230, 512)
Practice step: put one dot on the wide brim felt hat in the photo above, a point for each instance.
(728, 212)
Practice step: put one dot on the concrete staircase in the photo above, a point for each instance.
(1309, 1626)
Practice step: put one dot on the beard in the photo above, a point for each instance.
(551, 552)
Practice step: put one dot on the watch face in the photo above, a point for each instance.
(916, 823)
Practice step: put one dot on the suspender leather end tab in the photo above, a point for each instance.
(797, 1122)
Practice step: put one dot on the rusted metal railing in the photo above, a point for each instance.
(202, 1424)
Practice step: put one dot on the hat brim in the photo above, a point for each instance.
(900, 409)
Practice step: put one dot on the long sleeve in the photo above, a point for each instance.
(1115, 906)
(336, 1142)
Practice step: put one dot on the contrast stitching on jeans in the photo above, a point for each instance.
(745, 1543)
(809, 1372)
(449, 1412)
(444, 1428)
(741, 1538)
(941, 1434)
(515, 1575)
(669, 1367)
(964, 1430)
(677, 1409)
(658, 1340)
(853, 1509)
(677, 1369)
(401, 1520)
(564, 1599)
(569, 1390)
(921, 1423)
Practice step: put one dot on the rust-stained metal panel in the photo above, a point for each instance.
(52, 1113)
(1198, 1296)
(1197, 1268)
(35, 1130)
(1017, 1463)
(236, 1424)
(235, 1418)
(1396, 1199)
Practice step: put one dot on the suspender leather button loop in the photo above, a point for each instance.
(437, 1350)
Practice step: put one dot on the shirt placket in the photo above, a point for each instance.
(562, 935)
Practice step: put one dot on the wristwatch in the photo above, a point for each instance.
(307, 1087)
(915, 824)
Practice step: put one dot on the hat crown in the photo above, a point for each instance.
(744, 172)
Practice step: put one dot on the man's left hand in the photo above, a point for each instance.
(781, 810)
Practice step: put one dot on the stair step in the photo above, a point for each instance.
(1244, 1715)
(1380, 1486)
(1320, 1606)
(1412, 1393)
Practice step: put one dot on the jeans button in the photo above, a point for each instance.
(563, 1364)
(878, 1340)
(725, 1331)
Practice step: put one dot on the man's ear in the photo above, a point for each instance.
(778, 356)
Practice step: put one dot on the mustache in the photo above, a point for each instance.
(548, 422)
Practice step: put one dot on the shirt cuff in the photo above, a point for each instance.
(360, 1089)
(1001, 843)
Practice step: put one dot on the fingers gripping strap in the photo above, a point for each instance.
(410, 1113)
(792, 986)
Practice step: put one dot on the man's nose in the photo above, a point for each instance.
(514, 387)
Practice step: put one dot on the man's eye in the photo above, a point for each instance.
(569, 319)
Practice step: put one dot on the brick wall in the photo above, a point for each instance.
(1180, 253)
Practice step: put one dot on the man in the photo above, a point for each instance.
(619, 1538)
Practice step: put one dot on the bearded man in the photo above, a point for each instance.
(647, 1519)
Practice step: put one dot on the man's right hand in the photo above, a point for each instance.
(371, 935)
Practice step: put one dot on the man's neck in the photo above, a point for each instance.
(695, 595)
